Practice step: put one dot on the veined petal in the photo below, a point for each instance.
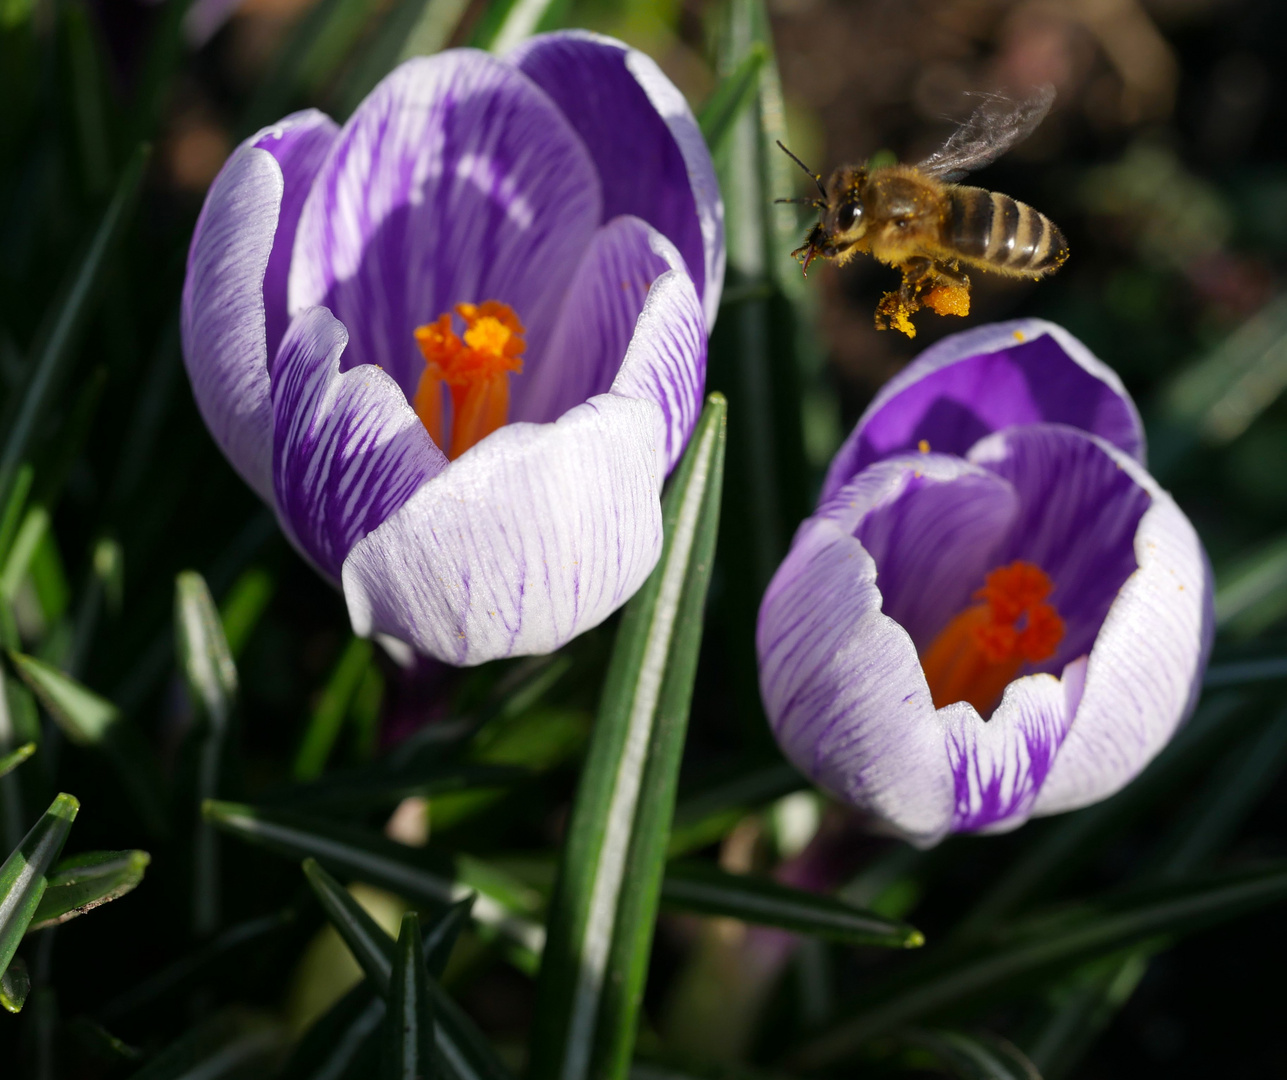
(456, 181)
(1145, 670)
(934, 534)
(843, 686)
(222, 314)
(299, 144)
(979, 381)
(597, 321)
(1079, 513)
(666, 361)
(348, 451)
(534, 535)
(999, 765)
(644, 140)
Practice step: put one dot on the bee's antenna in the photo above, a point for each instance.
(817, 178)
(817, 204)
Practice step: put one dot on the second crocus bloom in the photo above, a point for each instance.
(458, 343)
(995, 611)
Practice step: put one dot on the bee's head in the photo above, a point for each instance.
(842, 223)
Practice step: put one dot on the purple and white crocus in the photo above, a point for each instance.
(995, 612)
(458, 343)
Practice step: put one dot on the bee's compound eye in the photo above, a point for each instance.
(847, 216)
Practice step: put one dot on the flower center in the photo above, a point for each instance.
(982, 649)
(475, 370)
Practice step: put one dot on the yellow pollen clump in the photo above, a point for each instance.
(948, 299)
(982, 649)
(923, 446)
(475, 370)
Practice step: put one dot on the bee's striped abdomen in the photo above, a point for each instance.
(1003, 232)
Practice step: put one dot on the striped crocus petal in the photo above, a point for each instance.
(594, 327)
(348, 450)
(978, 381)
(598, 329)
(540, 531)
(233, 310)
(456, 181)
(840, 673)
(644, 140)
(299, 144)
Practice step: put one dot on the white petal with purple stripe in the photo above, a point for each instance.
(534, 535)
(222, 315)
(348, 450)
(456, 181)
(644, 141)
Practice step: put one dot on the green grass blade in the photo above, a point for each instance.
(88, 881)
(409, 1048)
(973, 1057)
(465, 1052)
(707, 890)
(442, 933)
(606, 894)
(1059, 848)
(231, 1045)
(244, 605)
(1227, 799)
(67, 318)
(19, 725)
(22, 553)
(734, 93)
(343, 1040)
(503, 905)
(347, 1036)
(756, 357)
(90, 720)
(1081, 1008)
(22, 877)
(365, 939)
(211, 676)
(1047, 945)
(11, 760)
(708, 815)
(14, 504)
(15, 985)
(322, 41)
(324, 727)
(187, 970)
(359, 790)
(411, 28)
(507, 23)
(82, 715)
(204, 656)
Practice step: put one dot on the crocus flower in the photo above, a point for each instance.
(995, 612)
(458, 343)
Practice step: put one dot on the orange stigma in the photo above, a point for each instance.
(476, 371)
(982, 649)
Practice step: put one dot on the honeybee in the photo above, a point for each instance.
(918, 219)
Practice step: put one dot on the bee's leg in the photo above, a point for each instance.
(896, 308)
(950, 291)
(918, 272)
(952, 275)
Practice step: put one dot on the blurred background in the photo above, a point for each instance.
(1164, 161)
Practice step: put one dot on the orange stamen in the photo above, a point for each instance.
(982, 649)
(476, 371)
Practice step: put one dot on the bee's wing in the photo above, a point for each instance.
(991, 130)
